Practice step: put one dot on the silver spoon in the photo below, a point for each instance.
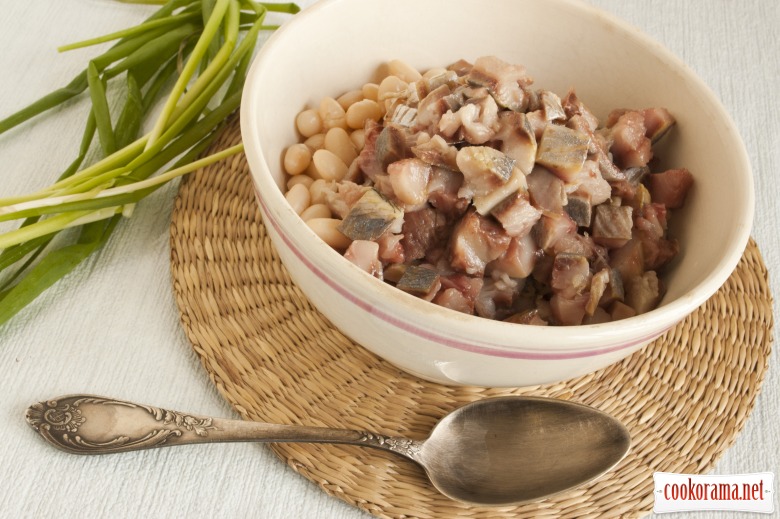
(494, 451)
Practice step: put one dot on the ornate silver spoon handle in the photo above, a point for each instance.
(87, 424)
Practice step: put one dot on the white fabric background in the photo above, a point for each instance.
(112, 327)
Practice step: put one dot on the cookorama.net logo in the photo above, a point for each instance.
(733, 493)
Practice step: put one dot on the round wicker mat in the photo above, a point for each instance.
(684, 398)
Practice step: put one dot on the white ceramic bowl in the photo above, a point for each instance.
(337, 45)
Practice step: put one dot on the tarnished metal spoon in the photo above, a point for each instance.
(494, 451)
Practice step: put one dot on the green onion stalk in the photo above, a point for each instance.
(195, 51)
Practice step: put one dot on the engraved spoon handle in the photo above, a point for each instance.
(87, 424)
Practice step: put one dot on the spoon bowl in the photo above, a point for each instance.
(513, 449)
(495, 451)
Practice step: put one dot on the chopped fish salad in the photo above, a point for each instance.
(466, 187)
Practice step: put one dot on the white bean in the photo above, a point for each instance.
(332, 114)
(312, 172)
(296, 159)
(358, 138)
(329, 165)
(327, 229)
(391, 87)
(308, 123)
(350, 98)
(299, 198)
(318, 190)
(337, 141)
(315, 142)
(371, 91)
(403, 70)
(316, 211)
(363, 111)
(305, 180)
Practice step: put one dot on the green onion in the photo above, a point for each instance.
(204, 48)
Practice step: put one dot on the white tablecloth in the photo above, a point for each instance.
(112, 327)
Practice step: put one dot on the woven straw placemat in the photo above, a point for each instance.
(684, 398)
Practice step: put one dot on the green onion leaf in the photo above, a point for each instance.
(199, 39)
(50, 269)
(97, 91)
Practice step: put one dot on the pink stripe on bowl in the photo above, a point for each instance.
(488, 349)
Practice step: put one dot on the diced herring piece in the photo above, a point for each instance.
(570, 275)
(635, 175)
(485, 203)
(621, 311)
(531, 317)
(495, 298)
(614, 290)
(420, 89)
(567, 311)
(503, 80)
(449, 78)
(437, 103)
(484, 169)
(537, 122)
(437, 152)
(516, 214)
(658, 122)
(652, 219)
(579, 209)
(461, 67)
(459, 292)
(340, 197)
(391, 146)
(517, 138)
(598, 286)
(393, 272)
(630, 147)
(643, 292)
(612, 225)
(628, 260)
(420, 281)
(609, 171)
(365, 254)
(670, 187)
(482, 127)
(409, 178)
(454, 300)
(547, 191)
(534, 100)
(475, 242)
(650, 230)
(590, 182)
(640, 199)
(551, 106)
(475, 122)
(371, 217)
(575, 243)
(572, 106)
(563, 151)
(518, 261)
(391, 250)
(404, 115)
(421, 232)
(443, 188)
(367, 160)
(599, 316)
(551, 228)
(615, 115)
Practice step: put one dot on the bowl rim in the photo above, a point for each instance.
(557, 340)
